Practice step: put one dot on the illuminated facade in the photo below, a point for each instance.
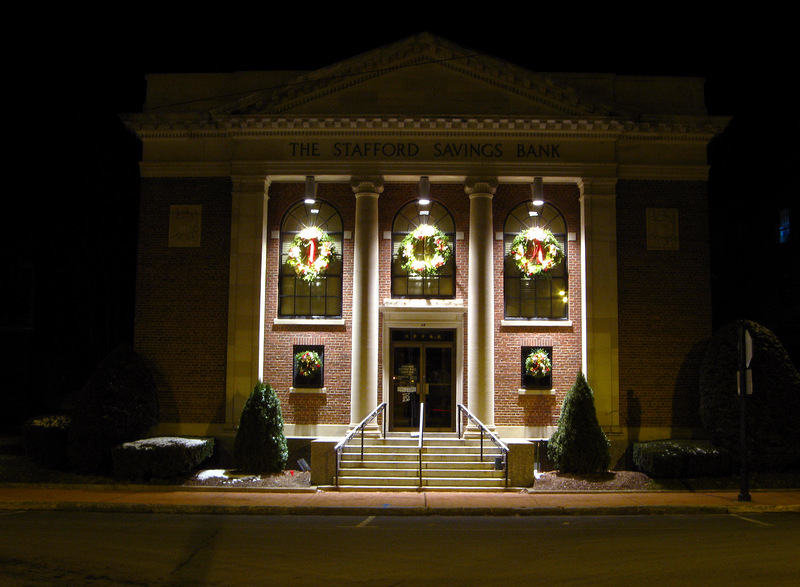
(609, 274)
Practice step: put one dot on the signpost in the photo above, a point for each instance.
(745, 388)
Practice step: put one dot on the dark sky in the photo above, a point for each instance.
(100, 63)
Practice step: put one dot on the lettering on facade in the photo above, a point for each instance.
(411, 150)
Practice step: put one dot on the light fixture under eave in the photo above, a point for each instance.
(311, 189)
(424, 190)
(538, 191)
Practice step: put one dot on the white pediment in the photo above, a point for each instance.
(422, 76)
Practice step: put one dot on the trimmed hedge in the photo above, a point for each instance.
(45, 439)
(164, 457)
(681, 459)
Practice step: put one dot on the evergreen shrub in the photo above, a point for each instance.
(260, 445)
(579, 444)
(118, 404)
(681, 459)
(163, 457)
(772, 410)
(45, 438)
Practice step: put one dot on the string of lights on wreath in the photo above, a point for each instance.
(308, 363)
(538, 364)
(425, 250)
(310, 253)
(536, 251)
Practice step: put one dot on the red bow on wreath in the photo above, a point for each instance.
(312, 247)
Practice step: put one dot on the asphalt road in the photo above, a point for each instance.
(74, 548)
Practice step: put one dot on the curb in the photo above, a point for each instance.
(388, 510)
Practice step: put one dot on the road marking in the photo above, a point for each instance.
(751, 520)
(365, 522)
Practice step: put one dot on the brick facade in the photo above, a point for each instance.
(664, 305)
(182, 299)
(511, 408)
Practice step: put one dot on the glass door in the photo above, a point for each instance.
(422, 372)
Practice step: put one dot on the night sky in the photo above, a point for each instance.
(72, 212)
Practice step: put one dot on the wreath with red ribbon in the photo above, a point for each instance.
(310, 253)
(425, 250)
(536, 251)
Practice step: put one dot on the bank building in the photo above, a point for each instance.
(434, 240)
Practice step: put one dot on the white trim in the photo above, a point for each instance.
(523, 391)
(313, 390)
(309, 321)
(536, 323)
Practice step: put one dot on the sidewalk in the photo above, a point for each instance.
(141, 499)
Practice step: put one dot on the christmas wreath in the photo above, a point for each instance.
(308, 363)
(536, 251)
(425, 250)
(538, 364)
(310, 253)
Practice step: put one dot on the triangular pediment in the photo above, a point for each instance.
(420, 76)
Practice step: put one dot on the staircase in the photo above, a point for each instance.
(448, 464)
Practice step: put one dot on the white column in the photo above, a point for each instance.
(364, 368)
(480, 308)
(600, 296)
(245, 358)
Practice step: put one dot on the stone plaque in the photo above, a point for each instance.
(662, 229)
(184, 225)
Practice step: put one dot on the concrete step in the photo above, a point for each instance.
(414, 471)
(463, 457)
(413, 481)
(414, 464)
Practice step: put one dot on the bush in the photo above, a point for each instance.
(118, 404)
(163, 457)
(45, 439)
(773, 409)
(579, 444)
(260, 445)
(681, 459)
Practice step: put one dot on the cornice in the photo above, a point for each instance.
(149, 127)
(421, 49)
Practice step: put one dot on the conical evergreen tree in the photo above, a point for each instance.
(579, 444)
(260, 444)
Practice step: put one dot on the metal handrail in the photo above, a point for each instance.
(484, 430)
(361, 426)
(421, 438)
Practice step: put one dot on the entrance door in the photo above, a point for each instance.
(422, 371)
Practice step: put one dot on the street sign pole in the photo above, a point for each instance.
(745, 355)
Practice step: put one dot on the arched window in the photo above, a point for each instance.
(440, 283)
(310, 281)
(544, 295)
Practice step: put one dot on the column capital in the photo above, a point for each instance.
(480, 185)
(367, 184)
(598, 186)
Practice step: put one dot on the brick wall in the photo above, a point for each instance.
(664, 305)
(182, 299)
(511, 408)
(333, 407)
